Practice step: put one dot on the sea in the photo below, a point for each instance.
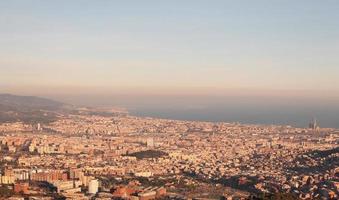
(294, 114)
(294, 111)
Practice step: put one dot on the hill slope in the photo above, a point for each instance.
(29, 109)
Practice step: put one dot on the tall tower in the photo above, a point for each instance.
(313, 124)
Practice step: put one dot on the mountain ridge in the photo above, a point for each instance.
(32, 102)
(28, 109)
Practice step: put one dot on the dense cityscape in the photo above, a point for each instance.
(113, 155)
(169, 100)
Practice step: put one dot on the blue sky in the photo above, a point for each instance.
(169, 45)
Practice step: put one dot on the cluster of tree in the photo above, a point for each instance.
(148, 154)
(276, 196)
(5, 192)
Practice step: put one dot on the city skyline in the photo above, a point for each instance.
(161, 100)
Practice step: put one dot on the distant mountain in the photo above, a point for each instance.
(29, 109)
(29, 102)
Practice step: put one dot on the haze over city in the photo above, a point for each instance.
(107, 52)
(160, 100)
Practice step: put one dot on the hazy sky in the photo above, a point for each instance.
(107, 45)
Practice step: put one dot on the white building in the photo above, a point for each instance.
(93, 186)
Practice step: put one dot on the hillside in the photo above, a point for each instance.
(29, 102)
(28, 109)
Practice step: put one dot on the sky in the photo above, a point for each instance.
(276, 47)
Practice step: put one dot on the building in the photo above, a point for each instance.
(148, 195)
(150, 142)
(21, 188)
(313, 124)
(93, 186)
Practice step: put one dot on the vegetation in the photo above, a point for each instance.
(148, 154)
(277, 196)
(5, 191)
(28, 109)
